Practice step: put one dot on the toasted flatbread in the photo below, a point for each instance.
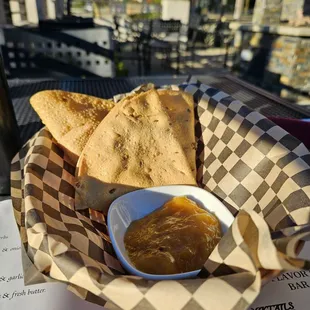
(133, 147)
(70, 117)
(180, 108)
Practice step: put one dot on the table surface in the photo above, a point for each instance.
(255, 98)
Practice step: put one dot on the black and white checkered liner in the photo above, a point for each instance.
(252, 165)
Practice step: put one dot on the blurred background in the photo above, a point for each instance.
(264, 42)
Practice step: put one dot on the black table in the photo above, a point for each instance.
(255, 98)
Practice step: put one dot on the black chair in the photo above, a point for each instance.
(163, 37)
(161, 27)
(129, 41)
(228, 43)
(77, 53)
(222, 34)
(188, 38)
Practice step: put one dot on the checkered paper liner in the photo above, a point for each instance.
(259, 171)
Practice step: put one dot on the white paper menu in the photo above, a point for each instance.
(13, 294)
(289, 291)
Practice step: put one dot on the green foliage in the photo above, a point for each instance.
(121, 70)
(145, 16)
(148, 1)
(79, 4)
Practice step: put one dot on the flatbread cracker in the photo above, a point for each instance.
(70, 117)
(133, 147)
(180, 108)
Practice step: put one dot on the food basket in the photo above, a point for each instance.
(259, 171)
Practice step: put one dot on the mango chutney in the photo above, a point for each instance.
(176, 238)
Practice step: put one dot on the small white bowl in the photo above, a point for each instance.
(138, 204)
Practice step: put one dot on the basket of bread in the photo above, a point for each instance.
(175, 197)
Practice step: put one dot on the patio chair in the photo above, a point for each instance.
(77, 53)
(129, 38)
(160, 28)
(188, 38)
(229, 45)
(163, 37)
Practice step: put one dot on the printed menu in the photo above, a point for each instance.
(13, 293)
(288, 291)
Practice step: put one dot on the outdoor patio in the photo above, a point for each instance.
(113, 109)
(205, 61)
